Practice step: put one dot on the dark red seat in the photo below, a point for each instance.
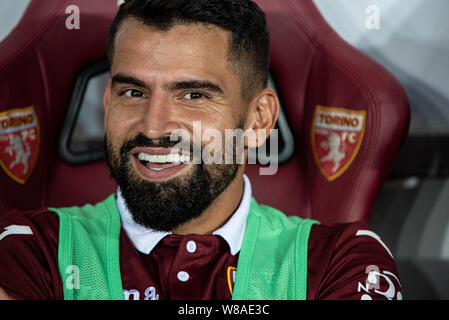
(312, 66)
(39, 63)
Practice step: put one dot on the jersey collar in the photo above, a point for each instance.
(145, 240)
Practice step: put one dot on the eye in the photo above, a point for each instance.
(132, 93)
(194, 96)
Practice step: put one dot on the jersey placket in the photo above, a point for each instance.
(188, 276)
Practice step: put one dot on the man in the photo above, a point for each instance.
(180, 228)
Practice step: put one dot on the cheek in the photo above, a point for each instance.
(218, 133)
(220, 120)
(120, 122)
(113, 130)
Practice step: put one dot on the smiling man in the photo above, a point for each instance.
(180, 227)
(165, 77)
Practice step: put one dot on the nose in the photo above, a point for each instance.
(159, 120)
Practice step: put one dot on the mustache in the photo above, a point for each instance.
(166, 141)
(141, 140)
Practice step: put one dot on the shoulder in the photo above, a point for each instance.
(89, 211)
(32, 222)
(29, 251)
(356, 237)
(344, 233)
(25, 231)
(28, 233)
(274, 218)
(350, 261)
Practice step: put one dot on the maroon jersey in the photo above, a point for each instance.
(345, 261)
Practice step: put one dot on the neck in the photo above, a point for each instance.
(218, 212)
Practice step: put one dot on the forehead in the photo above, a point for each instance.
(195, 50)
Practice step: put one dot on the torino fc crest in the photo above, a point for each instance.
(337, 135)
(19, 142)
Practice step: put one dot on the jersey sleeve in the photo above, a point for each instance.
(351, 262)
(28, 255)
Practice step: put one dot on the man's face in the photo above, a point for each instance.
(162, 82)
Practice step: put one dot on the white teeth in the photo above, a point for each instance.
(142, 156)
(169, 158)
(184, 159)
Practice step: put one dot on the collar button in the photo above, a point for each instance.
(191, 246)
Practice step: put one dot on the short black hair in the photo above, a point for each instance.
(250, 45)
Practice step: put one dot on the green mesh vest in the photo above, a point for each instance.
(272, 263)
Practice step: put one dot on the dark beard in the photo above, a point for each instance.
(164, 206)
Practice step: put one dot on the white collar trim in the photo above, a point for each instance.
(145, 240)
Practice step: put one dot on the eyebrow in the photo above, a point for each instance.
(181, 85)
(195, 84)
(124, 79)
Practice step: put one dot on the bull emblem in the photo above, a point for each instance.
(334, 144)
(18, 147)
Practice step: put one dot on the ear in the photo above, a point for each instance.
(264, 112)
(107, 101)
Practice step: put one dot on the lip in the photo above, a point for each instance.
(169, 169)
(154, 151)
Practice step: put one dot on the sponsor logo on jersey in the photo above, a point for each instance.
(383, 283)
(231, 278)
(149, 294)
(337, 135)
(19, 142)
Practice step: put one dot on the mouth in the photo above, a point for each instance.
(157, 164)
(148, 159)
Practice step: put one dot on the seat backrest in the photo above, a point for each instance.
(328, 88)
(39, 63)
(339, 103)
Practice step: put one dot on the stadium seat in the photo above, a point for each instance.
(323, 80)
(348, 115)
(39, 64)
